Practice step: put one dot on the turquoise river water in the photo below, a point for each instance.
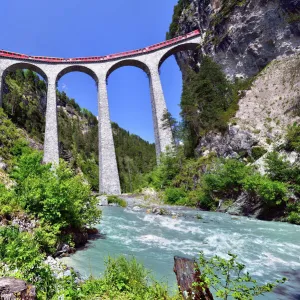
(270, 250)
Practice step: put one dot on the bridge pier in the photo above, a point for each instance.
(109, 175)
(51, 152)
(163, 134)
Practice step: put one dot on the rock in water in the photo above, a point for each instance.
(103, 200)
(11, 289)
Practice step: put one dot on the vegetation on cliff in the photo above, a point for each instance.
(208, 103)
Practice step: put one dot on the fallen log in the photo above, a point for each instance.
(187, 272)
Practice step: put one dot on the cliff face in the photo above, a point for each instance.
(241, 35)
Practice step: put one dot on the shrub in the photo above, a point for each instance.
(271, 192)
(277, 167)
(175, 196)
(57, 197)
(258, 152)
(124, 279)
(117, 200)
(163, 175)
(22, 254)
(293, 138)
(202, 199)
(294, 217)
(226, 178)
(8, 203)
(229, 280)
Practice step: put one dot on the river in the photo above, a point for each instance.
(270, 250)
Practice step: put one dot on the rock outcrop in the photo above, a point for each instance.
(11, 289)
(243, 36)
(234, 143)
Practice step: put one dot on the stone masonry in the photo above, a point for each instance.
(150, 62)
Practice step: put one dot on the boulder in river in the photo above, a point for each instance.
(103, 200)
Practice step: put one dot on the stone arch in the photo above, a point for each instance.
(128, 63)
(183, 47)
(25, 65)
(77, 68)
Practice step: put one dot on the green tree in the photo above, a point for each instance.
(206, 98)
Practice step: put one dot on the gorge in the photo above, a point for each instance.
(224, 179)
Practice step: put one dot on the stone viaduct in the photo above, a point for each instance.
(146, 59)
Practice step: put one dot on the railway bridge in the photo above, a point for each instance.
(148, 59)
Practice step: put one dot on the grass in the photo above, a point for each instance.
(117, 200)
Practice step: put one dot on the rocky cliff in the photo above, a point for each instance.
(243, 36)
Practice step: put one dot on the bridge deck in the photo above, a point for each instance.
(174, 41)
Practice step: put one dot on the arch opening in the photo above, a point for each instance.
(25, 66)
(77, 121)
(172, 82)
(133, 132)
(77, 68)
(128, 63)
(177, 49)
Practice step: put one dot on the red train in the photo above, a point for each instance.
(9, 54)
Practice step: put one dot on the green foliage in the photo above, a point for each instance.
(226, 178)
(278, 168)
(293, 138)
(208, 102)
(163, 175)
(77, 130)
(47, 237)
(57, 197)
(135, 157)
(21, 253)
(175, 196)
(8, 203)
(294, 215)
(178, 9)
(271, 192)
(22, 103)
(258, 152)
(117, 200)
(229, 280)
(124, 279)
(10, 137)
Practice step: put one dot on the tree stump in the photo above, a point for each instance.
(187, 272)
(12, 289)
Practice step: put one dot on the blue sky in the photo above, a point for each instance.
(72, 28)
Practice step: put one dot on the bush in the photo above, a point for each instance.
(294, 217)
(124, 279)
(22, 255)
(278, 168)
(258, 152)
(117, 200)
(57, 197)
(293, 138)
(202, 199)
(163, 175)
(8, 203)
(175, 196)
(271, 192)
(226, 178)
